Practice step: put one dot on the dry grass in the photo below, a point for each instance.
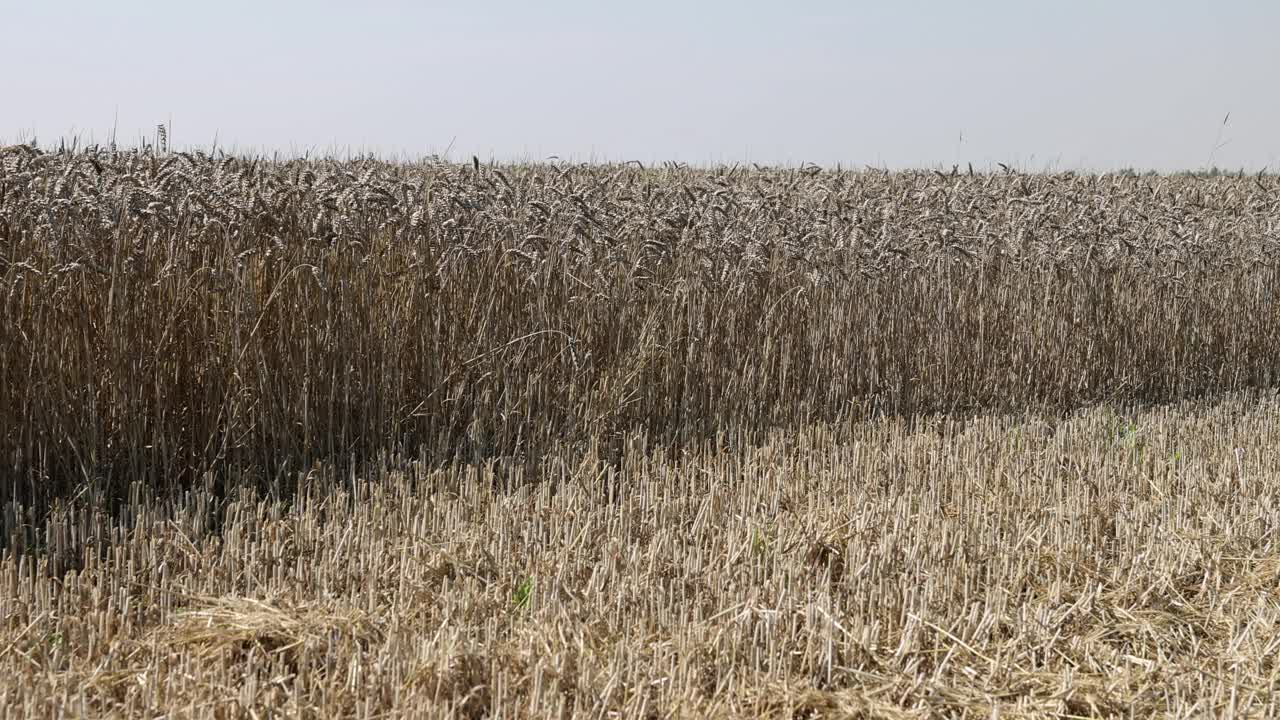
(371, 440)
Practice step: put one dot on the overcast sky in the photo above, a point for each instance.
(1079, 84)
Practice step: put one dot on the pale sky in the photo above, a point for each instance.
(1057, 85)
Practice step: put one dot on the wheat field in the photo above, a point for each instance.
(322, 438)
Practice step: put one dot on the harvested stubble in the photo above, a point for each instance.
(690, 442)
(1091, 566)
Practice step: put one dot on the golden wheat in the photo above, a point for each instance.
(362, 439)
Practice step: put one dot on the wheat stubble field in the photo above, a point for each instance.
(365, 439)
